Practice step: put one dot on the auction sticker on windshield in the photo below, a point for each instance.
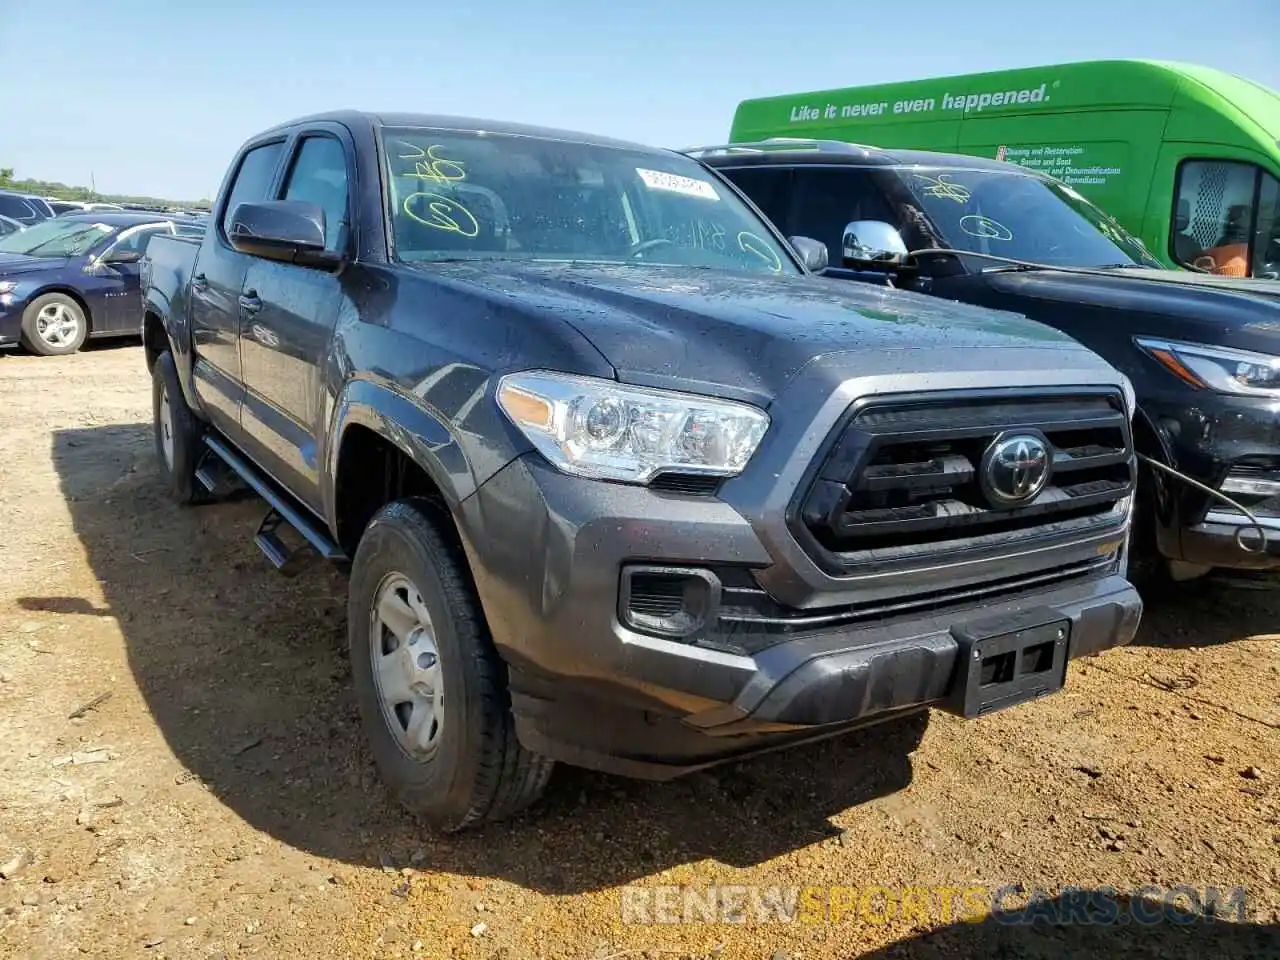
(657, 180)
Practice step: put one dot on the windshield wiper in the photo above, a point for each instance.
(1018, 267)
(1003, 263)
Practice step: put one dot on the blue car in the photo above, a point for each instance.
(66, 279)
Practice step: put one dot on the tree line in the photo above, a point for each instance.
(51, 188)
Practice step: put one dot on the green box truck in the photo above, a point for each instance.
(1186, 157)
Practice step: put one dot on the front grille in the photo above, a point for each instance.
(901, 478)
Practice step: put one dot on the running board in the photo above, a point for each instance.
(214, 475)
(288, 560)
(283, 512)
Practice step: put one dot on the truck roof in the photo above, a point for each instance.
(1062, 87)
(784, 151)
(1227, 92)
(355, 118)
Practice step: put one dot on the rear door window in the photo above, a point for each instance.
(767, 188)
(253, 180)
(825, 200)
(137, 240)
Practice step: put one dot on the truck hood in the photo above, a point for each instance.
(748, 336)
(1263, 288)
(1176, 304)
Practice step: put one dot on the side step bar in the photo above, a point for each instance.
(284, 512)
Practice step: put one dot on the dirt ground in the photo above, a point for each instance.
(212, 797)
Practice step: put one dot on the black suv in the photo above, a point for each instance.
(1203, 352)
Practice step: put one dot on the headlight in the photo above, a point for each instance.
(1217, 368)
(8, 286)
(610, 431)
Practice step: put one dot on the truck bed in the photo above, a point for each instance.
(165, 271)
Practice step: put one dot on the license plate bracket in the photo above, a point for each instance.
(1006, 662)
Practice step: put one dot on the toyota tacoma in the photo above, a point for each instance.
(616, 480)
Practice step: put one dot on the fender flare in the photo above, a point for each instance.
(1142, 420)
(408, 425)
(1165, 510)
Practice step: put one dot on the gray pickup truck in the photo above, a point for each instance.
(617, 480)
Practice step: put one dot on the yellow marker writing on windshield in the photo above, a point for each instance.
(944, 189)
(750, 243)
(429, 165)
(441, 214)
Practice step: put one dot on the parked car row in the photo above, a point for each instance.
(73, 277)
(29, 210)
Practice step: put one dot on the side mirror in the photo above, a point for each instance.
(290, 231)
(872, 243)
(116, 257)
(813, 253)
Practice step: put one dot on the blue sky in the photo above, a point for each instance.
(154, 98)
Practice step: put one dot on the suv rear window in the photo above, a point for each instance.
(19, 208)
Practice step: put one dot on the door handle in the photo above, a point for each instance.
(199, 283)
(250, 302)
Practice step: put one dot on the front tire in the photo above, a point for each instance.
(431, 687)
(54, 325)
(178, 433)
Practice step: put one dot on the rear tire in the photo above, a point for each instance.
(178, 433)
(431, 687)
(54, 325)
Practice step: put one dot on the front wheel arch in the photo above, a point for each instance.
(421, 440)
(75, 295)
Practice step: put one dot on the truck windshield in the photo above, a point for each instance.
(57, 238)
(1014, 215)
(494, 196)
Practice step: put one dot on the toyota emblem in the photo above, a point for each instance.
(1015, 468)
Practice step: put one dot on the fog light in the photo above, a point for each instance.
(673, 602)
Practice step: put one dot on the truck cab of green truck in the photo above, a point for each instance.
(1186, 158)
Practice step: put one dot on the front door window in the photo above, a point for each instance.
(1225, 218)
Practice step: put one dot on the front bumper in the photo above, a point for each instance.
(1213, 542)
(10, 319)
(1208, 440)
(548, 552)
